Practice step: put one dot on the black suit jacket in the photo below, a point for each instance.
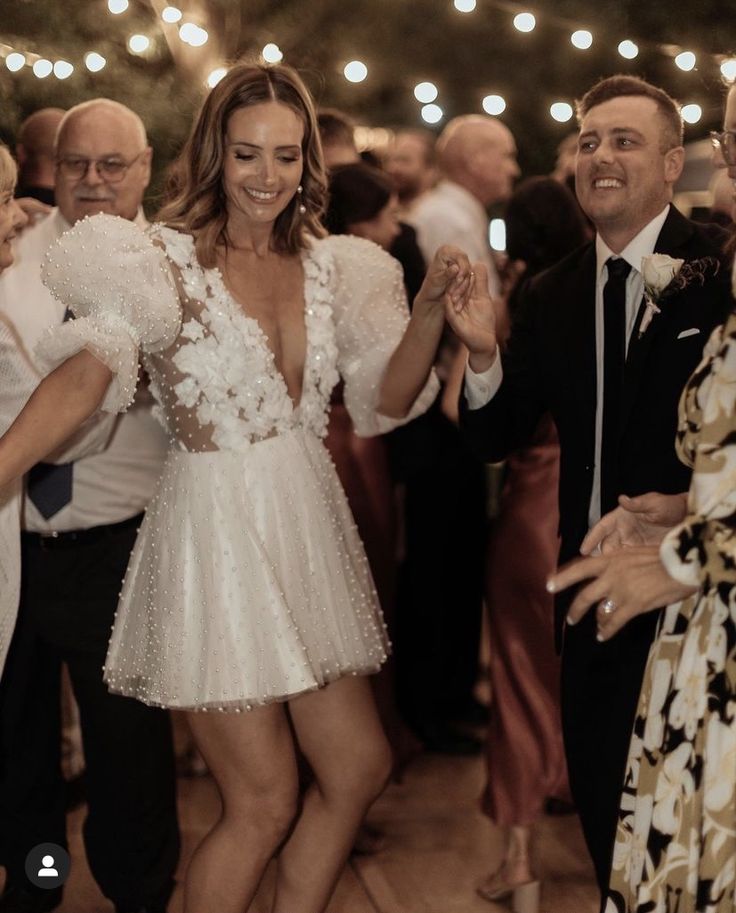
(550, 366)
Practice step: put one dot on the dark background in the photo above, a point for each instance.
(402, 42)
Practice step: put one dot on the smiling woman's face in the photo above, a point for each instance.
(263, 161)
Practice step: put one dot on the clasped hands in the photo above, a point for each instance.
(626, 578)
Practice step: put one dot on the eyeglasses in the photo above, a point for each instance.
(111, 170)
(725, 143)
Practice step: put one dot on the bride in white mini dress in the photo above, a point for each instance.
(248, 591)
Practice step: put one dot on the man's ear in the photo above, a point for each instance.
(674, 162)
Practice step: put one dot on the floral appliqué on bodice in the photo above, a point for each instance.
(218, 386)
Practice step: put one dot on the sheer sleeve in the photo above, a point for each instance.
(701, 551)
(371, 315)
(118, 285)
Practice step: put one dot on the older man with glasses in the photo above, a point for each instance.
(80, 521)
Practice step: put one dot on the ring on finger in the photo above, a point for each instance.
(608, 606)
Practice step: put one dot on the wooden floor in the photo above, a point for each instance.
(438, 848)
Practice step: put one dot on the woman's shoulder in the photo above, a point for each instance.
(352, 253)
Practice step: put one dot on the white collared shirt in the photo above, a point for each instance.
(450, 214)
(481, 388)
(116, 483)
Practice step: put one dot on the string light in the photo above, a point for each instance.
(215, 76)
(63, 69)
(728, 69)
(432, 114)
(628, 49)
(425, 92)
(138, 44)
(691, 114)
(193, 35)
(94, 62)
(15, 61)
(686, 61)
(171, 14)
(271, 53)
(43, 68)
(355, 71)
(494, 105)
(561, 111)
(525, 22)
(497, 234)
(463, 6)
(117, 7)
(582, 39)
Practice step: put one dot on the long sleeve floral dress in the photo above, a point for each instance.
(248, 582)
(676, 843)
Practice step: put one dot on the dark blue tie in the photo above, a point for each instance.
(614, 357)
(50, 486)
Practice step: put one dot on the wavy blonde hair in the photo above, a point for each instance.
(8, 170)
(195, 199)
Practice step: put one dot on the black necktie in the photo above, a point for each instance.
(614, 357)
(49, 486)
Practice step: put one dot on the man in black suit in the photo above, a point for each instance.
(577, 351)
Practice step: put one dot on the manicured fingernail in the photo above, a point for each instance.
(599, 637)
(550, 586)
(570, 620)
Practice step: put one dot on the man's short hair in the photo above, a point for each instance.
(335, 128)
(621, 85)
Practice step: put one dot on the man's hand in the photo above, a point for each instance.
(644, 520)
(473, 319)
(33, 210)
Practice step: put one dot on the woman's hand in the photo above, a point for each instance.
(472, 316)
(622, 585)
(448, 277)
(644, 520)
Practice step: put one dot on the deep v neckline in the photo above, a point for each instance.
(239, 312)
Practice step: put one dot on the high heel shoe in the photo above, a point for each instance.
(524, 897)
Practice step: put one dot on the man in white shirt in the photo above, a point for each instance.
(477, 159)
(577, 350)
(80, 521)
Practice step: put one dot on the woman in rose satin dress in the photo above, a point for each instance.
(525, 757)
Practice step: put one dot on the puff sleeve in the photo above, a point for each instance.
(701, 551)
(371, 315)
(118, 285)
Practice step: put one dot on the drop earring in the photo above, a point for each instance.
(302, 207)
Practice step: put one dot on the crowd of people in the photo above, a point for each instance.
(244, 476)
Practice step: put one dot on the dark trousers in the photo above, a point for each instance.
(600, 693)
(69, 595)
(440, 594)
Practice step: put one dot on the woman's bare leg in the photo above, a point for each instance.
(341, 736)
(251, 757)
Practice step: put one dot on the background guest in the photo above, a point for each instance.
(34, 149)
(525, 755)
(412, 163)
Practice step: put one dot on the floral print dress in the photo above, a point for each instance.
(676, 842)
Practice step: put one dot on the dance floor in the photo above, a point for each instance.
(437, 849)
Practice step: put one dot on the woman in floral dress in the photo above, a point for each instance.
(248, 591)
(676, 842)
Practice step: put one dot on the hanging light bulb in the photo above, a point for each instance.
(43, 68)
(15, 61)
(94, 62)
(582, 39)
(686, 61)
(138, 44)
(271, 53)
(425, 92)
(464, 6)
(494, 105)
(728, 69)
(215, 76)
(432, 114)
(628, 49)
(117, 6)
(171, 14)
(691, 114)
(355, 71)
(63, 69)
(525, 22)
(561, 111)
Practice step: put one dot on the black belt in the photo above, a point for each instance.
(74, 537)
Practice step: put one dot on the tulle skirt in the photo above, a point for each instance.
(248, 583)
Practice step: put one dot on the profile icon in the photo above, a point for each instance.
(47, 865)
(48, 871)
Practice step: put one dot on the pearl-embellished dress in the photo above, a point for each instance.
(248, 582)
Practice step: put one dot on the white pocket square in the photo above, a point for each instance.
(693, 331)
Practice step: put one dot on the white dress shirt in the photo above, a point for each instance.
(116, 483)
(481, 388)
(450, 214)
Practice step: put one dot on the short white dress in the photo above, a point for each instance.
(248, 582)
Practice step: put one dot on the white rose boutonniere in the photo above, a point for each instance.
(664, 275)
